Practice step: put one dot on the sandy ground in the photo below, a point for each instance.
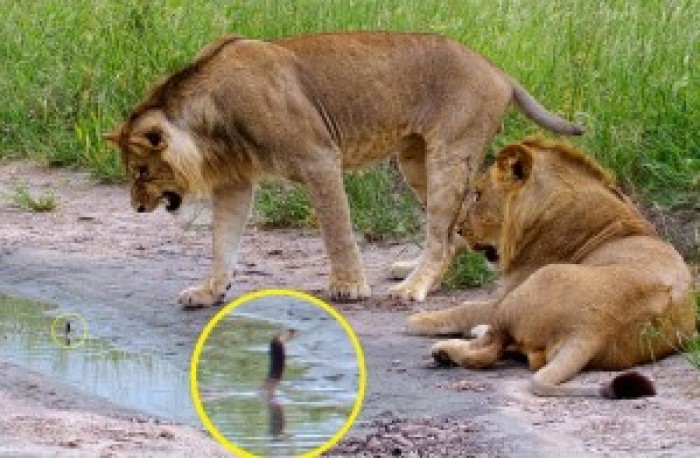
(43, 417)
(122, 272)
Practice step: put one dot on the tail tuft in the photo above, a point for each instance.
(630, 385)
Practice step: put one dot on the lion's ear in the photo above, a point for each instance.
(514, 164)
(113, 136)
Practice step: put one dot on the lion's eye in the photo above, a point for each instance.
(142, 172)
(476, 196)
(155, 138)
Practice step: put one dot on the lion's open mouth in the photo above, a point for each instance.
(490, 252)
(173, 200)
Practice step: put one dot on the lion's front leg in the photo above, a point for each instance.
(477, 353)
(325, 186)
(231, 209)
(460, 319)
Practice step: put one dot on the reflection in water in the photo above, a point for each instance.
(275, 413)
(137, 381)
(312, 401)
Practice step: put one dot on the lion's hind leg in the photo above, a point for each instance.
(454, 320)
(403, 268)
(536, 359)
(573, 356)
(570, 359)
(448, 167)
(411, 160)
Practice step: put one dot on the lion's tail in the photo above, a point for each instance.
(535, 111)
(629, 385)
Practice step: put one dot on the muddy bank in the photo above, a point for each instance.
(44, 417)
(122, 272)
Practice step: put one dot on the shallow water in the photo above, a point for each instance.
(133, 380)
(313, 400)
(316, 395)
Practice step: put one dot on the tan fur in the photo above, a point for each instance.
(586, 282)
(306, 108)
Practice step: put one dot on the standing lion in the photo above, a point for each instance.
(306, 109)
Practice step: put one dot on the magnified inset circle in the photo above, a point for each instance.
(277, 373)
(69, 330)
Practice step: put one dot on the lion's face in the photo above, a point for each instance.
(143, 145)
(481, 217)
(482, 214)
(152, 182)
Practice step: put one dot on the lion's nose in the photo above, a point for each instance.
(141, 209)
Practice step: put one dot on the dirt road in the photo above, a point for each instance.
(122, 272)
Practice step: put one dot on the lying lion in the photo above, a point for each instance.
(586, 283)
(306, 109)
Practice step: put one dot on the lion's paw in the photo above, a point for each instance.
(204, 295)
(446, 352)
(349, 291)
(402, 269)
(409, 291)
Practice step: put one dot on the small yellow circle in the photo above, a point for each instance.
(199, 346)
(59, 332)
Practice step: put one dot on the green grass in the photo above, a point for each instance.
(381, 204)
(468, 270)
(283, 205)
(628, 71)
(692, 351)
(22, 198)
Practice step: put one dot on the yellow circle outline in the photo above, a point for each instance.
(54, 335)
(199, 346)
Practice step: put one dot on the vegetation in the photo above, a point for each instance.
(22, 198)
(692, 351)
(468, 270)
(381, 204)
(284, 205)
(628, 71)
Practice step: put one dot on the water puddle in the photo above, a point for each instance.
(138, 381)
(315, 397)
(313, 401)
